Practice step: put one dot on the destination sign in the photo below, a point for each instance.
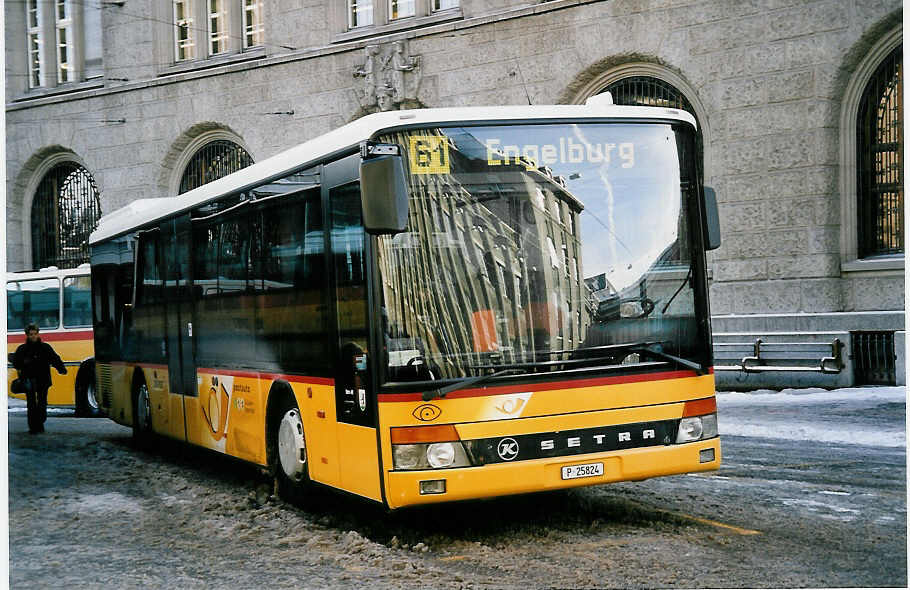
(565, 151)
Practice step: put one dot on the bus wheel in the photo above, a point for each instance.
(290, 458)
(142, 416)
(87, 400)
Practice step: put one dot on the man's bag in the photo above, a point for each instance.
(19, 385)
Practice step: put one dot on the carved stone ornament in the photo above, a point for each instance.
(390, 75)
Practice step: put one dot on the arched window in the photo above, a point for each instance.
(879, 162)
(213, 160)
(65, 210)
(648, 91)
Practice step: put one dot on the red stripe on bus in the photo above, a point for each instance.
(272, 376)
(410, 397)
(52, 336)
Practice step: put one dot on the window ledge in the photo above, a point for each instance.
(873, 264)
(213, 62)
(404, 24)
(67, 88)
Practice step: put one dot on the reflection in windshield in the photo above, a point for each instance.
(536, 244)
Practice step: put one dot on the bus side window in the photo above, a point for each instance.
(292, 313)
(233, 255)
(105, 330)
(35, 301)
(347, 240)
(148, 290)
(77, 312)
(15, 304)
(147, 318)
(205, 260)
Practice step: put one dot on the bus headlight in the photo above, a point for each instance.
(441, 455)
(407, 456)
(689, 429)
(697, 428)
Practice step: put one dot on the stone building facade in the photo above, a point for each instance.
(777, 86)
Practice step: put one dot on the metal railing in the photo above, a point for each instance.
(214, 160)
(873, 358)
(65, 210)
(880, 167)
(829, 355)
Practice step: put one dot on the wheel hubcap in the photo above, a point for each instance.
(144, 409)
(291, 445)
(91, 396)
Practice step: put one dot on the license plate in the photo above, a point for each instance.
(586, 470)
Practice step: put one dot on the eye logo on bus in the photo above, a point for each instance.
(427, 412)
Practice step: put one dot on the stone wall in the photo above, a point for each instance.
(768, 75)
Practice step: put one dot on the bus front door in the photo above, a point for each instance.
(176, 241)
(355, 402)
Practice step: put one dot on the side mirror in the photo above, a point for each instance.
(712, 219)
(384, 190)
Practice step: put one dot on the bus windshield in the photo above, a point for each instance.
(537, 248)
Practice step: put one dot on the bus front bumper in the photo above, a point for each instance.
(501, 479)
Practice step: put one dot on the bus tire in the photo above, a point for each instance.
(287, 449)
(88, 401)
(142, 415)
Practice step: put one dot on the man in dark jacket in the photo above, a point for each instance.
(33, 361)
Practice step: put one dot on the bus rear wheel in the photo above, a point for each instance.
(289, 452)
(87, 400)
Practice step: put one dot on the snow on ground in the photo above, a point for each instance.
(814, 395)
(874, 416)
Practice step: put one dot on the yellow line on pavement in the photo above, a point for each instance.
(714, 523)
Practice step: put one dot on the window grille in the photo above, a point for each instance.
(873, 358)
(213, 161)
(65, 210)
(879, 161)
(647, 91)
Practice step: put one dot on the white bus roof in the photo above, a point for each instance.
(145, 211)
(49, 272)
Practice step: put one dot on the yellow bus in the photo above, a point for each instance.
(59, 302)
(427, 305)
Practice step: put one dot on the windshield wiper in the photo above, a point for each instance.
(605, 347)
(644, 347)
(699, 370)
(547, 364)
(465, 384)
